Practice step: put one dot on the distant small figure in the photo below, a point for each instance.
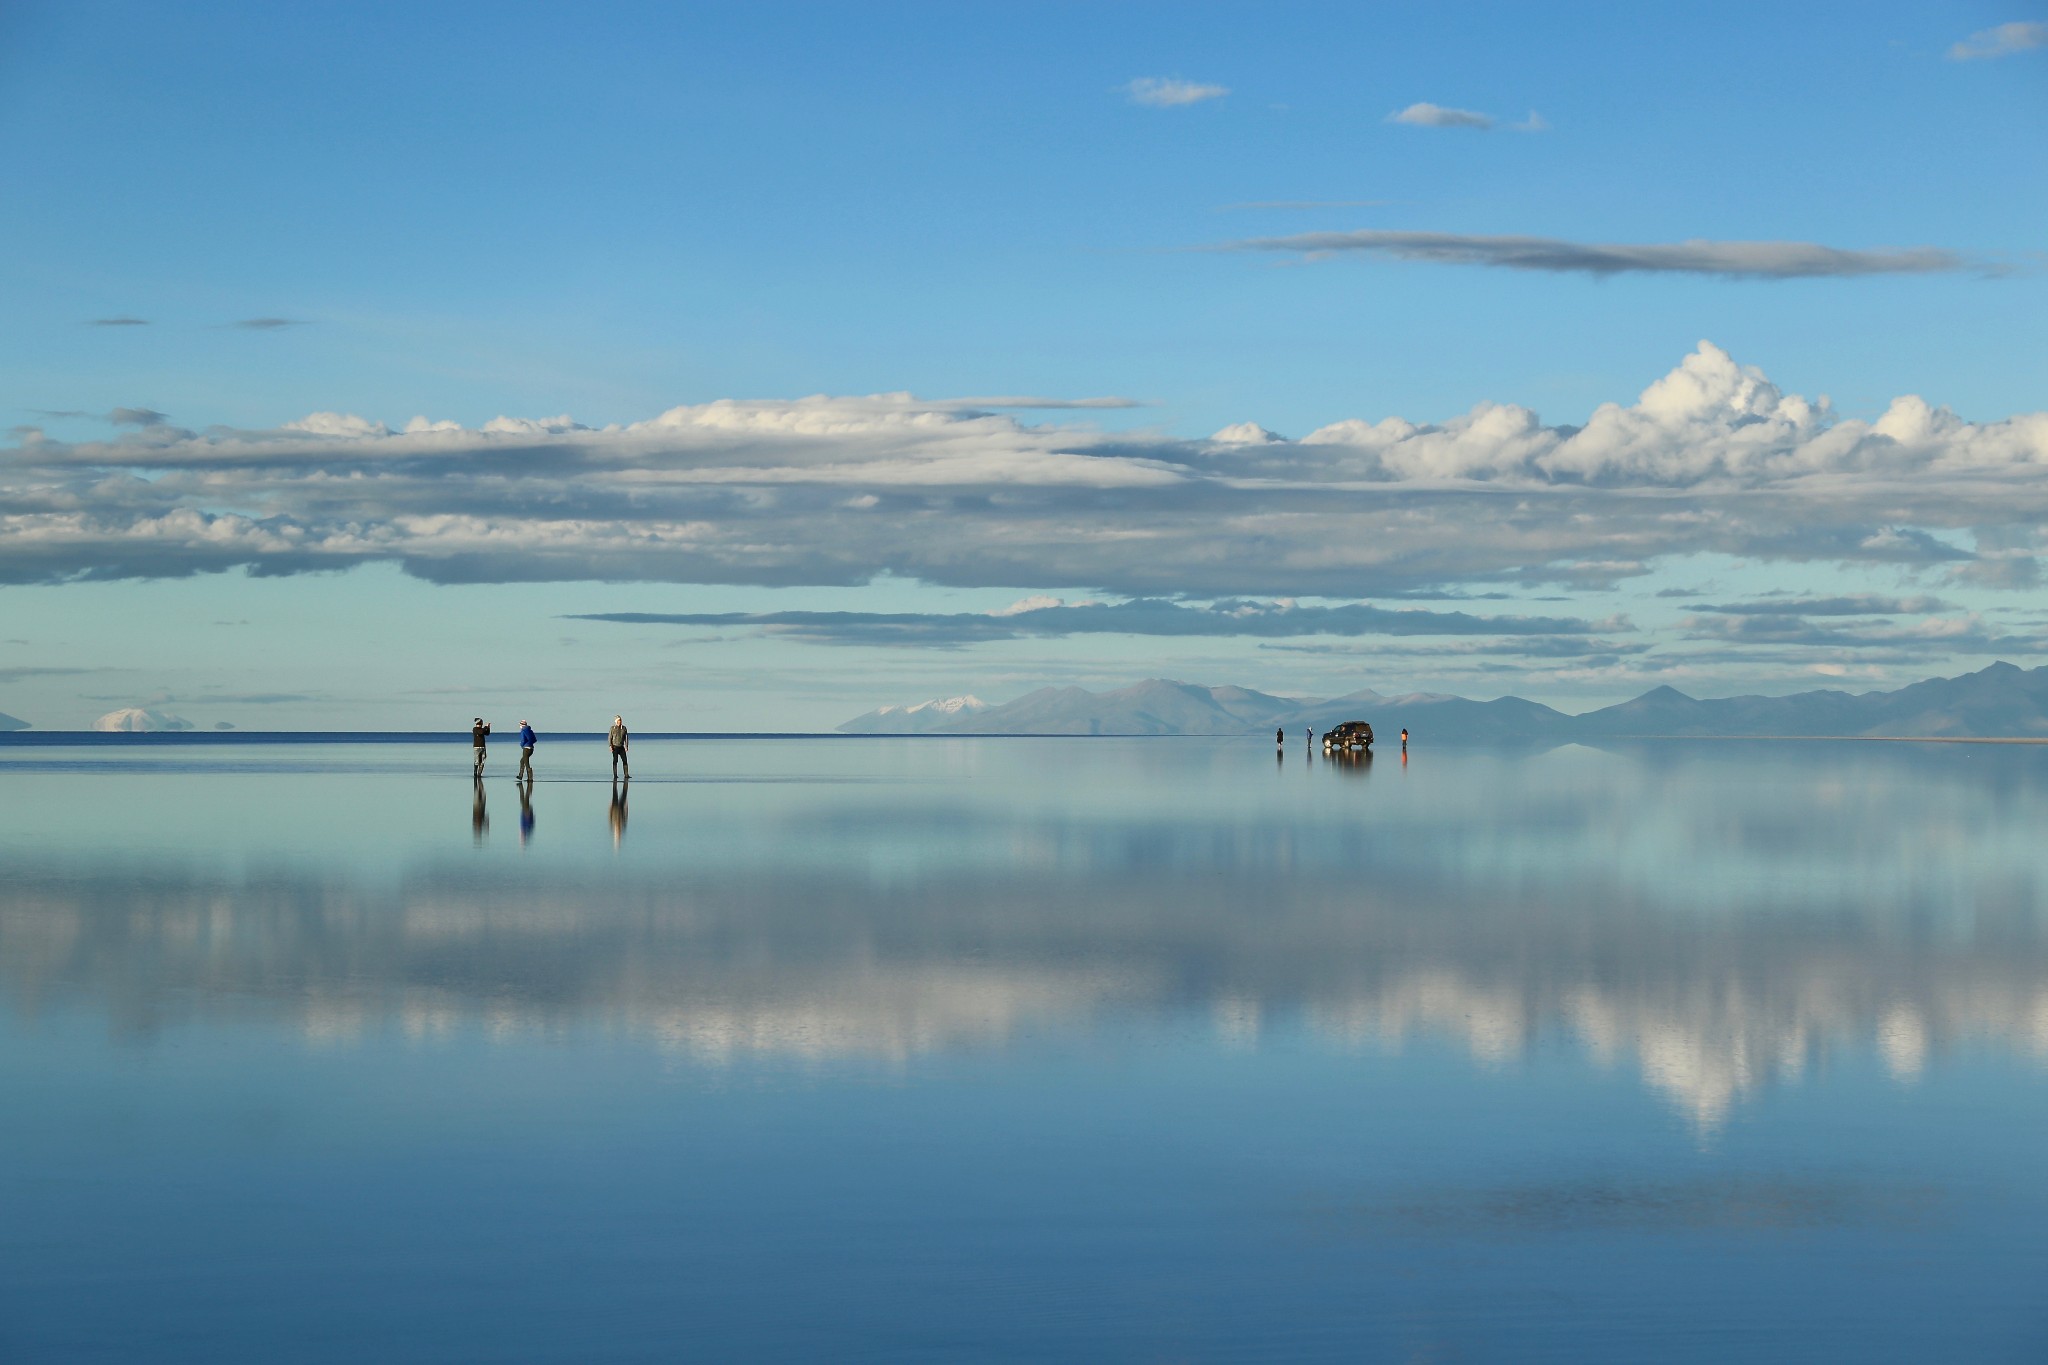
(618, 815)
(1279, 737)
(526, 742)
(619, 738)
(478, 733)
(1404, 739)
(1311, 733)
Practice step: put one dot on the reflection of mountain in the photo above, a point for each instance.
(2001, 701)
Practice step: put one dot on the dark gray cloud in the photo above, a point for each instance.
(1146, 616)
(117, 322)
(17, 674)
(1732, 260)
(1859, 604)
(136, 417)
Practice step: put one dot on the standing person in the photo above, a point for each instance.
(526, 739)
(478, 733)
(1404, 739)
(1279, 738)
(618, 738)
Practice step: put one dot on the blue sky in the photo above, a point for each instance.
(463, 213)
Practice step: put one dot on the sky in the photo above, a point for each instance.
(748, 367)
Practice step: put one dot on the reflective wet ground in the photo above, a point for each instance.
(938, 1050)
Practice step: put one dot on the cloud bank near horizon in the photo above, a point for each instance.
(1711, 458)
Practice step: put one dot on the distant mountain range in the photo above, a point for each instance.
(2002, 701)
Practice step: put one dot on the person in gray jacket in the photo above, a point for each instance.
(618, 738)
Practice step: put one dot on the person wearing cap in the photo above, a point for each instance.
(525, 753)
(478, 733)
(618, 741)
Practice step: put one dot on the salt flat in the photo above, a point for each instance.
(1011, 1049)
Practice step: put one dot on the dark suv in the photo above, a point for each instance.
(1351, 734)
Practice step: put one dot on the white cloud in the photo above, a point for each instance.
(1171, 92)
(2006, 40)
(139, 720)
(1427, 115)
(1710, 458)
(1246, 434)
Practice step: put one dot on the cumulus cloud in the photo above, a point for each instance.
(1732, 260)
(139, 720)
(1171, 92)
(1711, 458)
(2006, 40)
(1051, 617)
(1439, 116)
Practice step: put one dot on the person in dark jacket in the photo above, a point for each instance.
(618, 739)
(526, 738)
(478, 733)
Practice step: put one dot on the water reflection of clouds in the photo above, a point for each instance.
(1718, 921)
(1708, 1011)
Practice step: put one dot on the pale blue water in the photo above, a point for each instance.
(1024, 1050)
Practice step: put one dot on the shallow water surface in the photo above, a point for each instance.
(1023, 1050)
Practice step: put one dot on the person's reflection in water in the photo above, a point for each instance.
(525, 810)
(479, 818)
(618, 812)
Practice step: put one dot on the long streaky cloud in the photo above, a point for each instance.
(117, 322)
(1148, 616)
(1733, 260)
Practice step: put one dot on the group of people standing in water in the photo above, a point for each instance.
(479, 738)
(480, 734)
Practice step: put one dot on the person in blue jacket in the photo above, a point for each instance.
(525, 753)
